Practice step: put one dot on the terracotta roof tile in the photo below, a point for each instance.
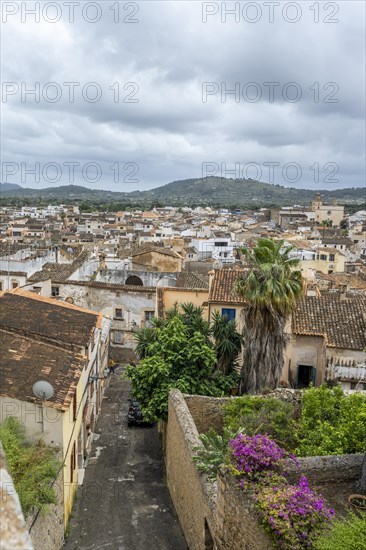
(221, 290)
(58, 272)
(24, 361)
(159, 250)
(340, 318)
(190, 280)
(53, 321)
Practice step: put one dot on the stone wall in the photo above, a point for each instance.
(193, 497)
(236, 522)
(212, 515)
(327, 469)
(47, 530)
(219, 516)
(206, 411)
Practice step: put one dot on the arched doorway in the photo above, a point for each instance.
(134, 280)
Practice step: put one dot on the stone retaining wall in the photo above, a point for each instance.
(194, 498)
(219, 516)
(206, 411)
(236, 521)
(327, 469)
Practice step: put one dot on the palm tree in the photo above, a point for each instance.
(144, 337)
(271, 288)
(228, 342)
(191, 316)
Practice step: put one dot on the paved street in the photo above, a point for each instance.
(124, 503)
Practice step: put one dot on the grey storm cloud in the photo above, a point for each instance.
(172, 85)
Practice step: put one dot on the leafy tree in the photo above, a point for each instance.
(271, 288)
(228, 342)
(144, 337)
(331, 423)
(174, 360)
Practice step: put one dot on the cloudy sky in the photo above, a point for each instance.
(132, 95)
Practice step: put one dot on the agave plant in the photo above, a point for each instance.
(211, 454)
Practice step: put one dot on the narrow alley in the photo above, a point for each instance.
(124, 503)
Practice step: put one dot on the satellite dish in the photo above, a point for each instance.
(43, 390)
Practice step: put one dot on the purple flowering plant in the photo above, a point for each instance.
(256, 458)
(293, 515)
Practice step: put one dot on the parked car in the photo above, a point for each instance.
(134, 415)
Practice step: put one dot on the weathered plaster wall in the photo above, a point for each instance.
(305, 350)
(119, 276)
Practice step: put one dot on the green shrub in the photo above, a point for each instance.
(253, 415)
(331, 423)
(177, 359)
(348, 534)
(211, 454)
(32, 467)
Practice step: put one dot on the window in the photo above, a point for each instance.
(72, 463)
(1, 286)
(117, 337)
(230, 313)
(14, 284)
(74, 407)
(148, 317)
(331, 257)
(323, 257)
(55, 290)
(357, 386)
(118, 313)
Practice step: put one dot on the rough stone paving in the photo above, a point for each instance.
(124, 503)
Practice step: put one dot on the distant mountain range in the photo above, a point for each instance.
(213, 191)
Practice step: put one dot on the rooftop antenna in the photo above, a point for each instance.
(43, 390)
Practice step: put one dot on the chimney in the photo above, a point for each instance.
(102, 264)
(343, 292)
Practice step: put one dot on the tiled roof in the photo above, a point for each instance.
(352, 280)
(190, 280)
(340, 318)
(9, 248)
(48, 319)
(337, 240)
(58, 272)
(112, 286)
(24, 361)
(222, 286)
(13, 273)
(159, 250)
